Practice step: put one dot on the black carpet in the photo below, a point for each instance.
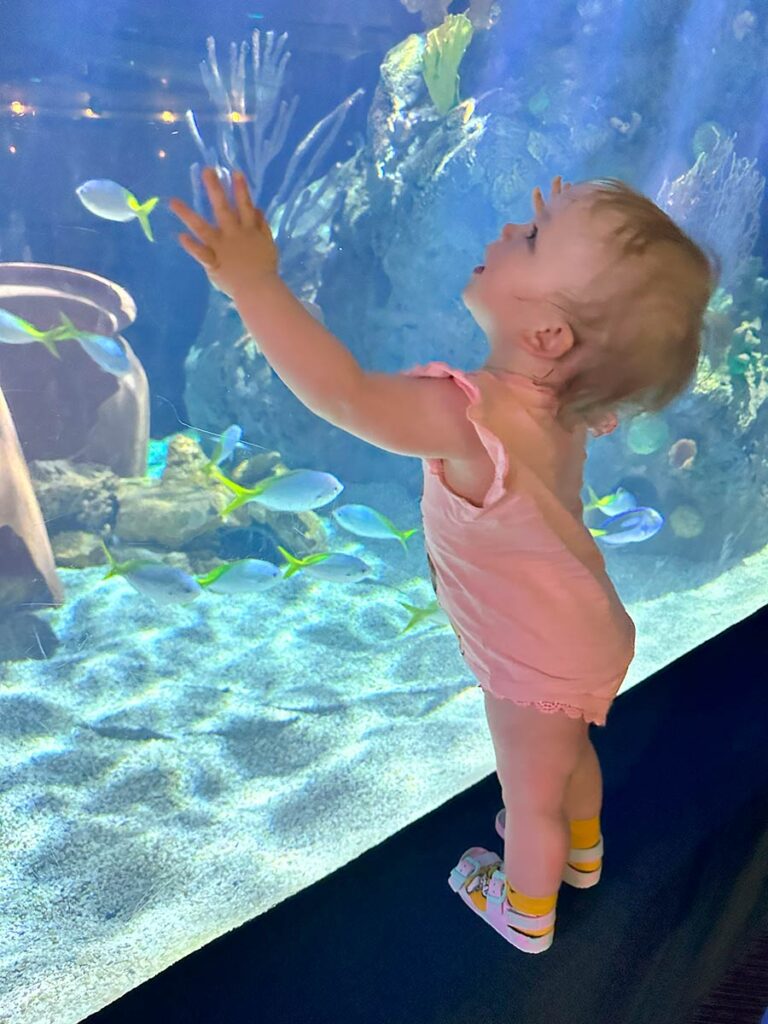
(684, 891)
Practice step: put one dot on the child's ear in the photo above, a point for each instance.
(549, 341)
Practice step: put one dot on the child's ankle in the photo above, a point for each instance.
(585, 832)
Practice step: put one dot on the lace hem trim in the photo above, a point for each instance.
(549, 707)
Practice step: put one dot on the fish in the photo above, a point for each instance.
(16, 331)
(418, 614)
(106, 352)
(226, 444)
(612, 504)
(630, 527)
(364, 521)
(244, 576)
(111, 201)
(298, 490)
(164, 584)
(334, 566)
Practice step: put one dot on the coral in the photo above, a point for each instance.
(446, 45)
(77, 549)
(181, 509)
(482, 13)
(717, 202)
(170, 513)
(75, 496)
(294, 197)
(432, 12)
(185, 459)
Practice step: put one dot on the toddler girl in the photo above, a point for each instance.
(592, 308)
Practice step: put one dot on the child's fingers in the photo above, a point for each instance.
(203, 255)
(245, 207)
(538, 202)
(557, 186)
(225, 215)
(193, 221)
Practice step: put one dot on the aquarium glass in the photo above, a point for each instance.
(215, 687)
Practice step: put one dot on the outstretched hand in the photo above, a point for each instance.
(556, 189)
(238, 249)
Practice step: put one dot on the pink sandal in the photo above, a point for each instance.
(573, 874)
(481, 869)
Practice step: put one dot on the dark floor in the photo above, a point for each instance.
(742, 995)
(683, 897)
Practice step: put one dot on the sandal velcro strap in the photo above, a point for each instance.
(586, 856)
(523, 921)
(469, 865)
(497, 890)
(463, 871)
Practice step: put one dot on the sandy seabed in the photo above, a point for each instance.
(172, 772)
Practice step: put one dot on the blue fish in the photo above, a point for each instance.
(226, 444)
(612, 504)
(16, 331)
(364, 521)
(106, 352)
(244, 576)
(630, 527)
(111, 201)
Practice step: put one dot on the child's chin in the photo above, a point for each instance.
(473, 306)
(472, 289)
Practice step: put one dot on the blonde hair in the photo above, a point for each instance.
(637, 344)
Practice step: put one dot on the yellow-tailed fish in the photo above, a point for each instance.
(297, 564)
(364, 521)
(16, 331)
(333, 566)
(162, 583)
(106, 352)
(111, 201)
(298, 490)
(612, 504)
(244, 576)
(418, 614)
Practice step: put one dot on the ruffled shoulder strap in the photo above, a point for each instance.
(490, 441)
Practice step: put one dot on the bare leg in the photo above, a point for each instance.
(536, 756)
(535, 851)
(584, 792)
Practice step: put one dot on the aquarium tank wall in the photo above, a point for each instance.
(215, 686)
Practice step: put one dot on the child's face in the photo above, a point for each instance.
(560, 248)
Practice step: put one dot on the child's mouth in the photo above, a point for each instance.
(479, 270)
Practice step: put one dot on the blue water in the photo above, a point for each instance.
(162, 763)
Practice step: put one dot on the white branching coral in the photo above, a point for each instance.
(482, 13)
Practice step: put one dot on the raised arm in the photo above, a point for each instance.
(408, 415)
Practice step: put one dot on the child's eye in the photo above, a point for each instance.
(534, 232)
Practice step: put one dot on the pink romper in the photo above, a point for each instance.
(520, 578)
